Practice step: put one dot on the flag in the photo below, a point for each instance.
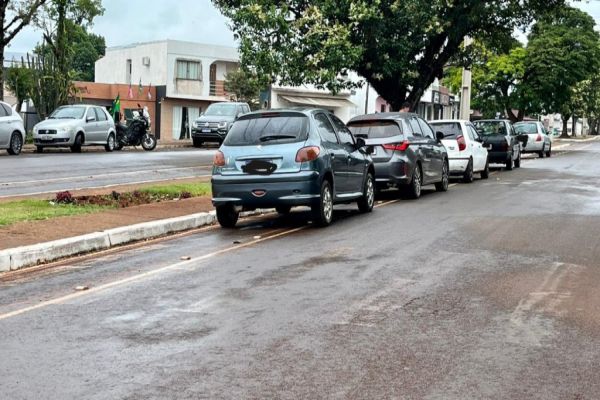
(149, 93)
(140, 88)
(116, 106)
(130, 94)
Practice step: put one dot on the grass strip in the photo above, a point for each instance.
(36, 210)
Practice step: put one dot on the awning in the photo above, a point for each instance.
(327, 102)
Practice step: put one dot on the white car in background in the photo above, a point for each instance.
(75, 126)
(12, 132)
(538, 140)
(466, 152)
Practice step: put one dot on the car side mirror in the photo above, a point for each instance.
(439, 136)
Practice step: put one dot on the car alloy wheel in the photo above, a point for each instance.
(367, 200)
(327, 204)
(416, 183)
(110, 143)
(16, 144)
(443, 185)
(323, 211)
(468, 175)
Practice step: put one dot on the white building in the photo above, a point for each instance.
(187, 76)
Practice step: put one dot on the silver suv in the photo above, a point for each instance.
(12, 132)
(75, 126)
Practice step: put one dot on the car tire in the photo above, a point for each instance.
(468, 174)
(110, 143)
(16, 144)
(227, 216)
(197, 142)
(283, 210)
(323, 212)
(549, 152)
(485, 174)
(39, 149)
(367, 200)
(542, 153)
(76, 147)
(442, 186)
(509, 163)
(518, 161)
(413, 190)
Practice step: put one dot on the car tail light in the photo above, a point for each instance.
(219, 159)
(397, 146)
(538, 138)
(306, 154)
(461, 143)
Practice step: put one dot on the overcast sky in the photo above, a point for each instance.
(132, 21)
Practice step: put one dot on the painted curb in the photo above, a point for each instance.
(29, 256)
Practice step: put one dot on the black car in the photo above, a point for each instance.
(502, 141)
(406, 152)
(214, 123)
(291, 157)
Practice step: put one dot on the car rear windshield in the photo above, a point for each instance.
(68, 113)
(491, 128)
(268, 129)
(451, 130)
(526, 128)
(374, 129)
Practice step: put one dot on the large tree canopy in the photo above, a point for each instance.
(399, 46)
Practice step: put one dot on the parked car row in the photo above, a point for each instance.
(308, 157)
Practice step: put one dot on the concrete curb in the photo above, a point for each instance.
(29, 256)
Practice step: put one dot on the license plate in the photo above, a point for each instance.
(47, 137)
(205, 130)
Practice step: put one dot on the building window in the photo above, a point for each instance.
(188, 70)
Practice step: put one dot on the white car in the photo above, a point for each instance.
(75, 126)
(12, 132)
(466, 153)
(538, 140)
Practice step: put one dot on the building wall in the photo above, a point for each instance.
(168, 107)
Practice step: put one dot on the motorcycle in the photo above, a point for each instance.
(137, 132)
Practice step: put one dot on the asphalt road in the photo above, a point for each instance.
(50, 172)
(489, 291)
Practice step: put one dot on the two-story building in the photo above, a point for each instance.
(187, 78)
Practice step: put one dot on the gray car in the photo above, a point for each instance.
(12, 132)
(407, 154)
(213, 125)
(75, 126)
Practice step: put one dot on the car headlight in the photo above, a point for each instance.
(222, 125)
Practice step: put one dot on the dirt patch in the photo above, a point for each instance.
(26, 233)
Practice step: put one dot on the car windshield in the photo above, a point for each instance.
(451, 130)
(374, 129)
(68, 113)
(268, 129)
(526, 128)
(491, 128)
(221, 110)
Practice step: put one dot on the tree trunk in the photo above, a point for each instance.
(565, 121)
(574, 126)
(1, 72)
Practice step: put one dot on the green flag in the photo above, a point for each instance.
(116, 106)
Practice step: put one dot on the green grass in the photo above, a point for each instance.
(35, 210)
(175, 190)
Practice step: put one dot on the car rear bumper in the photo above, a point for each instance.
(458, 165)
(294, 189)
(533, 147)
(498, 157)
(395, 172)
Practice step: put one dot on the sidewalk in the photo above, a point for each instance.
(30, 148)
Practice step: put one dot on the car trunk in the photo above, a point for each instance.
(261, 160)
(452, 148)
(498, 142)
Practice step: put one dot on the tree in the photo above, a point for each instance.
(399, 47)
(246, 86)
(14, 16)
(19, 79)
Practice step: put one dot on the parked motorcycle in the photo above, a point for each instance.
(137, 132)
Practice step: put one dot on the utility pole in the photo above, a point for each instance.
(367, 99)
(465, 94)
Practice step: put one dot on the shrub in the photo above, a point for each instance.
(64, 198)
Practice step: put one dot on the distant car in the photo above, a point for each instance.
(538, 140)
(466, 153)
(12, 132)
(76, 126)
(285, 158)
(504, 141)
(213, 125)
(406, 152)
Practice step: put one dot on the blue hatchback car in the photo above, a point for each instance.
(291, 157)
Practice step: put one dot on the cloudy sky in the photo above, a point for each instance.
(132, 21)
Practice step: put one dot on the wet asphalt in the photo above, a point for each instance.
(489, 291)
(60, 170)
